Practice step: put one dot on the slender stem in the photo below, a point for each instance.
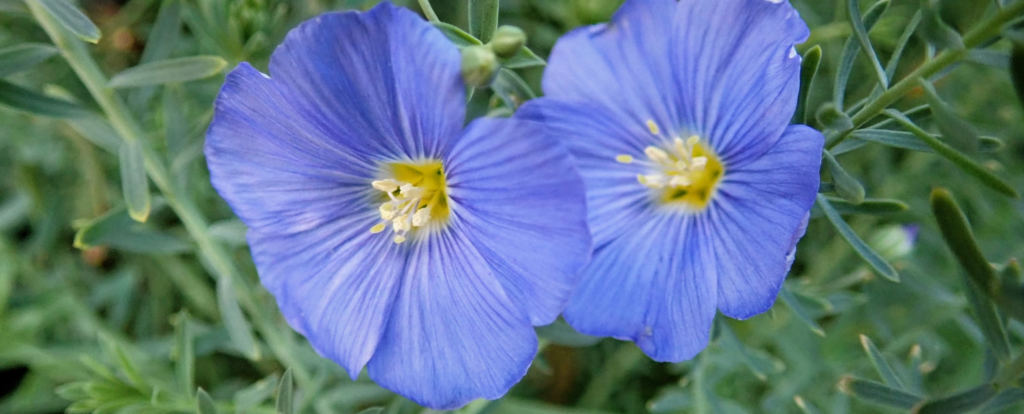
(78, 57)
(980, 34)
(428, 11)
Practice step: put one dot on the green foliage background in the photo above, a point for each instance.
(100, 313)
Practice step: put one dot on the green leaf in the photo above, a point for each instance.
(204, 404)
(184, 351)
(36, 103)
(989, 321)
(895, 139)
(285, 392)
(118, 230)
(798, 309)
(808, 71)
(901, 45)
(134, 182)
(373, 410)
(524, 59)
(960, 239)
(237, 326)
(512, 89)
(72, 19)
(117, 354)
(861, 33)
(670, 401)
(169, 71)
(966, 164)
(805, 406)
(961, 402)
(175, 123)
(760, 364)
(936, 31)
(992, 58)
(8, 268)
(255, 394)
(880, 394)
(957, 132)
(870, 206)
(1017, 68)
(163, 38)
(885, 371)
(457, 35)
(831, 117)
(22, 57)
(873, 258)
(1007, 399)
(231, 231)
(850, 51)
(560, 333)
(483, 19)
(846, 186)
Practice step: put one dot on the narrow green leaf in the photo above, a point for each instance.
(808, 71)
(901, 45)
(989, 321)
(285, 392)
(850, 51)
(885, 371)
(74, 391)
(72, 19)
(234, 320)
(880, 394)
(861, 33)
(805, 406)
(255, 394)
(671, 400)
(373, 410)
(184, 351)
(794, 304)
(846, 186)
(175, 124)
(134, 183)
(524, 59)
(966, 164)
(98, 131)
(832, 117)
(118, 230)
(117, 354)
(512, 89)
(1017, 68)
(871, 207)
(760, 365)
(961, 402)
(36, 103)
(960, 239)
(936, 31)
(895, 139)
(1006, 400)
(457, 35)
(163, 38)
(22, 57)
(204, 404)
(991, 58)
(483, 19)
(957, 132)
(873, 258)
(231, 231)
(169, 71)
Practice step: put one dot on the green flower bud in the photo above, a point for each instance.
(479, 66)
(894, 242)
(508, 41)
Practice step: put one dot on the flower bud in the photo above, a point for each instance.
(479, 66)
(508, 41)
(895, 241)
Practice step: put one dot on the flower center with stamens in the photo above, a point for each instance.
(681, 172)
(415, 196)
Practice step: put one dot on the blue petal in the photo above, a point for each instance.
(725, 70)
(385, 81)
(453, 336)
(594, 136)
(522, 204)
(654, 285)
(759, 214)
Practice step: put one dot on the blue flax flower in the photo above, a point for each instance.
(677, 114)
(391, 237)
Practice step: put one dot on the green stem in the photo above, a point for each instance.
(980, 34)
(428, 11)
(78, 57)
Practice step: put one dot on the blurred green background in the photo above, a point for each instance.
(133, 317)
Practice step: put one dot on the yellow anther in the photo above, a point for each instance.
(625, 159)
(399, 239)
(653, 127)
(657, 155)
(387, 211)
(387, 186)
(683, 171)
(421, 217)
(378, 228)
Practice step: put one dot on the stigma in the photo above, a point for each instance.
(415, 198)
(679, 171)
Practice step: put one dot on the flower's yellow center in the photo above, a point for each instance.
(682, 172)
(415, 196)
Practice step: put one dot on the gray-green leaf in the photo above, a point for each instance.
(872, 257)
(169, 71)
(19, 58)
(72, 19)
(134, 183)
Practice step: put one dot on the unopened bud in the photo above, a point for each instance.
(508, 41)
(479, 66)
